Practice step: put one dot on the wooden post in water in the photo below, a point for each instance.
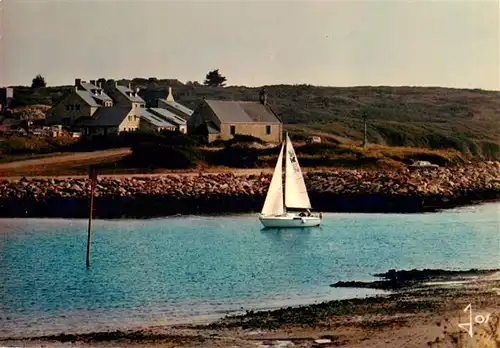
(93, 179)
(365, 138)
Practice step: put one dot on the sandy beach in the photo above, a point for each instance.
(422, 314)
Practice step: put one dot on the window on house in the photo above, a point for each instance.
(77, 106)
(268, 130)
(67, 107)
(232, 130)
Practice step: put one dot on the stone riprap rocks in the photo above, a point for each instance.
(343, 190)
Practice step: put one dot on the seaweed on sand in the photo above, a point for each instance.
(395, 280)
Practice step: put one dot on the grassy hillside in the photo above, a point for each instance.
(427, 117)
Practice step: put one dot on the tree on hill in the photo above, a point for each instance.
(215, 79)
(38, 81)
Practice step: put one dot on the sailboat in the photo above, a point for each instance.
(277, 209)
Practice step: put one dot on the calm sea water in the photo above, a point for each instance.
(161, 271)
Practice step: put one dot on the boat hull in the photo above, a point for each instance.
(293, 221)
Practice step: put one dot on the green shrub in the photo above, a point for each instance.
(322, 149)
(299, 136)
(152, 155)
(131, 139)
(243, 138)
(163, 138)
(237, 157)
(19, 145)
(238, 139)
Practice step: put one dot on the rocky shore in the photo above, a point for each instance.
(336, 190)
(426, 316)
(404, 280)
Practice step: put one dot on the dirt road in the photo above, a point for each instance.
(12, 168)
(78, 156)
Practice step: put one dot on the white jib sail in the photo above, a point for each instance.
(273, 204)
(295, 188)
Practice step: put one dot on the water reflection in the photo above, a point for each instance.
(288, 235)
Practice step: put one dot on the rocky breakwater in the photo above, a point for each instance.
(334, 190)
(405, 190)
(133, 197)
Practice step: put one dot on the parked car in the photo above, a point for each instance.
(314, 140)
(423, 164)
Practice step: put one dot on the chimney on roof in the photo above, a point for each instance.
(9, 95)
(78, 83)
(92, 82)
(170, 96)
(137, 89)
(129, 85)
(263, 96)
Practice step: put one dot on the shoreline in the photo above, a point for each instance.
(339, 190)
(78, 209)
(419, 315)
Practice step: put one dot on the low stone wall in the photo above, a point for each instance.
(339, 190)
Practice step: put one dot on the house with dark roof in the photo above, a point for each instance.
(124, 95)
(221, 120)
(110, 108)
(82, 101)
(90, 109)
(154, 121)
(174, 107)
(179, 123)
(109, 120)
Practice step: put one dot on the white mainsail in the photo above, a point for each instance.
(295, 188)
(273, 204)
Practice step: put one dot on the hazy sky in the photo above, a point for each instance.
(350, 43)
